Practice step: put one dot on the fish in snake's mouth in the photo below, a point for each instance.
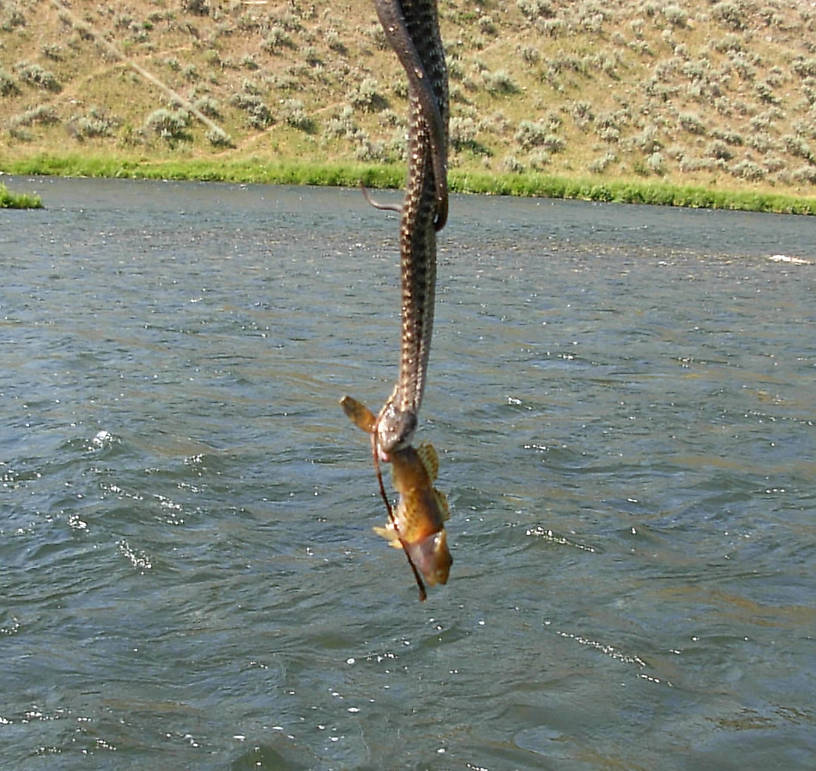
(412, 29)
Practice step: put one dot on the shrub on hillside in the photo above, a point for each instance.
(761, 141)
(259, 115)
(539, 160)
(728, 42)
(675, 15)
(582, 113)
(798, 147)
(45, 115)
(207, 106)
(455, 69)
(370, 151)
(276, 39)
(749, 170)
(599, 165)
(295, 115)
(52, 51)
(765, 92)
(513, 165)
(536, 9)
(7, 85)
(11, 17)
(342, 125)
(486, 25)
(97, 123)
(805, 67)
(554, 143)
(609, 134)
(729, 137)
(718, 149)
(689, 164)
(197, 7)
(806, 174)
(463, 132)
(774, 163)
(366, 96)
(648, 139)
(654, 163)
(169, 124)
(730, 14)
(499, 82)
(691, 122)
(334, 42)
(218, 138)
(530, 134)
(553, 27)
(36, 76)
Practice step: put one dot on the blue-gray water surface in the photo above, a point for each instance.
(624, 403)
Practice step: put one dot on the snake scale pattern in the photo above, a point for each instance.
(412, 29)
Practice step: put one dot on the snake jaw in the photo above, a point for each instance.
(394, 428)
(417, 525)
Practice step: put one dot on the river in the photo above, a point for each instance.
(624, 403)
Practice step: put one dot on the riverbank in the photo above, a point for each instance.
(10, 200)
(253, 171)
(692, 106)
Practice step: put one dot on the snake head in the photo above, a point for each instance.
(432, 558)
(395, 428)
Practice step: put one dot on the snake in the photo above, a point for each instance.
(412, 29)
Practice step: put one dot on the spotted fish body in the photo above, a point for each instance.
(421, 512)
(412, 29)
(418, 523)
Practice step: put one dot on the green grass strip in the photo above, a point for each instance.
(622, 191)
(254, 170)
(9, 200)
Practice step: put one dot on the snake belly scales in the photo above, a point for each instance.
(412, 29)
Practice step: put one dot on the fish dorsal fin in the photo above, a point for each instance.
(442, 502)
(429, 458)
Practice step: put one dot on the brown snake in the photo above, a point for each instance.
(417, 525)
(412, 29)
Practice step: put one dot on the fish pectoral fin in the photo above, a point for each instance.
(430, 460)
(389, 534)
(360, 415)
(442, 502)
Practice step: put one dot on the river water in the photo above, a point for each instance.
(624, 403)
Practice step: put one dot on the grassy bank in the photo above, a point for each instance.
(393, 176)
(631, 191)
(9, 200)
(653, 101)
(252, 171)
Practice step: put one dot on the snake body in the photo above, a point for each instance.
(412, 29)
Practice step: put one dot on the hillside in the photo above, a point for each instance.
(719, 94)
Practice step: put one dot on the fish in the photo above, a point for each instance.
(417, 524)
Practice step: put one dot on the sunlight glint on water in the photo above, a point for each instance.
(623, 402)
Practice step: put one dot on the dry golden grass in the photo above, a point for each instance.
(718, 94)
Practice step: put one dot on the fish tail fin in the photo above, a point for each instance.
(360, 415)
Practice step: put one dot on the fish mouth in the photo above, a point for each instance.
(432, 558)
